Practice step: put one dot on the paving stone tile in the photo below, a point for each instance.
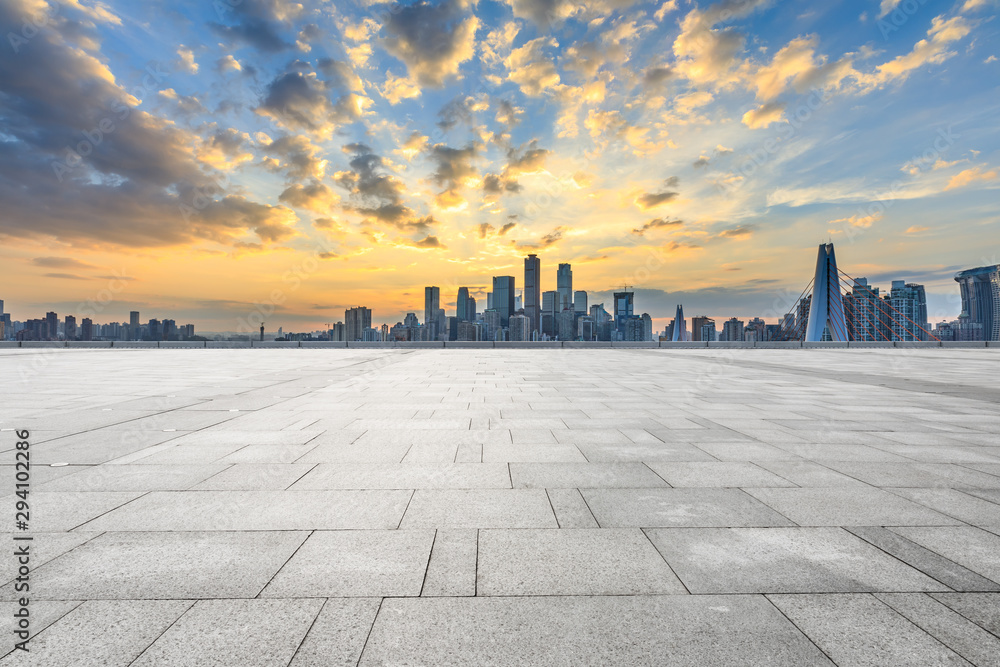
(859, 629)
(652, 508)
(645, 630)
(406, 476)
(932, 564)
(338, 635)
(257, 510)
(125, 629)
(452, 568)
(809, 473)
(161, 566)
(255, 476)
(957, 504)
(848, 506)
(783, 560)
(481, 508)
(572, 562)
(983, 609)
(953, 630)
(134, 478)
(355, 563)
(234, 632)
(972, 548)
(571, 509)
(43, 547)
(716, 474)
(583, 475)
(532, 453)
(59, 511)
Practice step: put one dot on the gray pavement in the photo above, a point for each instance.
(506, 506)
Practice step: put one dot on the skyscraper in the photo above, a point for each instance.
(580, 302)
(680, 333)
(981, 299)
(733, 329)
(503, 297)
(696, 326)
(87, 329)
(133, 325)
(624, 304)
(520, 328)
(564, 287)
(548, 318)
(462, 305)
(909, 311)
(356, 320)
(70, 327)
(432, 301)
(532, 291)
(52, 323)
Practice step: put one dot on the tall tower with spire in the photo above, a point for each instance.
(826, 309)
(680, 326)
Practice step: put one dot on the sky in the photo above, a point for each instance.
(227, 162)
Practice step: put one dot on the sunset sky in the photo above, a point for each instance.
(203, 161)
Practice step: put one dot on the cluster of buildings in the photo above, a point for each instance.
(533, 315)
(51, 328)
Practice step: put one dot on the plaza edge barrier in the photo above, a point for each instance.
(481, 345)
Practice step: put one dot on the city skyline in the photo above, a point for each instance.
(353, 154)
(834, 306)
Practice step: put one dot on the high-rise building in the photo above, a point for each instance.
(69, 327)
(679, 333)
(564, 287)
(732, 330)
(432, 301)
(708, 332)
(492, 324)
(470, 331)
(759, 327)
(532, 291)
(566, 324)
(697, 323)
(503, 297)
(624, 303)
(462, 305)
(154, 330)
(866, 314)
(470, 310)
(908, 313)
(520, 328)
(52, 323)
(580, 302)
(87, 329)
(356, 320)
(548, 318)
(134, 328)
(980, 290)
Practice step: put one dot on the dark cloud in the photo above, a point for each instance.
(655, 77)
(298, 99)
(432, 40)
(375, 195)
(700, 162)
(256, 22)
(658, 223)
(66, 276)
(429, 242)
(61, 263)
(741, 231)
(296, 156)
(453, 167)
(549, 239)
(667, 193)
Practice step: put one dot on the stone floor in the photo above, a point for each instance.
(507, 507)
